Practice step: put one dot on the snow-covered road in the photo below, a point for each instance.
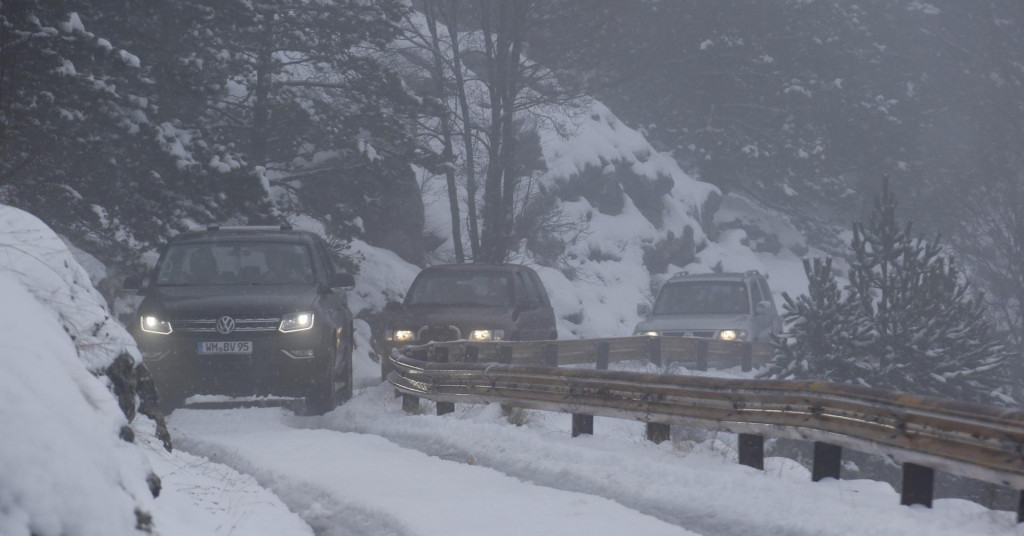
(367, 468)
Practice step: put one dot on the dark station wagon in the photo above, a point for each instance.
(475, 302)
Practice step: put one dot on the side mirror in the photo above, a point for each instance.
(133, 282)
(343, 280)
(643, 309)
(763, 307)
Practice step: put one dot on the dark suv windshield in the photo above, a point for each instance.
(461, 289)
(703, 297)
(236, 263)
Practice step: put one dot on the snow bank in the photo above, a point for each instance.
(65, 470)
(31, 253)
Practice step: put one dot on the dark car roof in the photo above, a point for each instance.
(233, 235)
(477, 268)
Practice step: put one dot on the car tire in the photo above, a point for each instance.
(322, 396)
(345, 393)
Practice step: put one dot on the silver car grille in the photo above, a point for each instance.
(209, 325)
(699, 334)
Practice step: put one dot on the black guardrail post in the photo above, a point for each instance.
(827, 459)
(752, 450)
(1020, 508)
(441, 356)
(654, 351)
(551, 354)
(472, 354)
(658, 432)
(582, 423)
(747, 360)
(702, 355)
(918, 483)
(505, 355)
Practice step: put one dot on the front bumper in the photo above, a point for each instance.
(270, 369)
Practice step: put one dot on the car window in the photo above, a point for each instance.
(236, 263)
(525, 290)
(703, 297)
(453, 288)
(539, 286)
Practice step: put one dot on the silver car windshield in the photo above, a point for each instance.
(703, 297)
(493, 290)
(236, 263)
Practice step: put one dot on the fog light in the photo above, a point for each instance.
(300, 354)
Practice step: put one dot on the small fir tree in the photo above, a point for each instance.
(825, 332)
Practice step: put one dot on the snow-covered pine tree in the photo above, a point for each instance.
(930, 333)
(825, 332)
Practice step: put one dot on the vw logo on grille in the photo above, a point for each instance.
(225, 325)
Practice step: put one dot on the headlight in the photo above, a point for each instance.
(399, 335)
(487, 335)
(153, 324)
(647, 333)
(296, 322)
(732, 335)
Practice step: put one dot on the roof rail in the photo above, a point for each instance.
(218, 227)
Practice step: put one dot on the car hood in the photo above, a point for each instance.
(471, 317)
(241, 301)
(694, 322)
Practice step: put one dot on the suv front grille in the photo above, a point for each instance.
(702, 334)
(438, 334)
(209, 325)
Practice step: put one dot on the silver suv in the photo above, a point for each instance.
(723, 306)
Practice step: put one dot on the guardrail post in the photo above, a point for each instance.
(827, 460)
(752, 450)
(603, 350)
(658, 432)
(505, 355)
(581, 423)
(472, 354)
(551, 354)
(441, 356)
(702, 355)
(654, 350)
(411, 404)
(747, 361)
(918, 482)
(1020, 508)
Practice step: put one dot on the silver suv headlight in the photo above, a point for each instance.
(296, 322)
(487, 335)
(732, 335)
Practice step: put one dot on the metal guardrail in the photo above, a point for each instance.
(924, 434)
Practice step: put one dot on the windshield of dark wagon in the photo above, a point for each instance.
(236, 263)
(493, 290)
(703, 297)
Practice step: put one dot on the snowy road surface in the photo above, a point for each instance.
(367, 468)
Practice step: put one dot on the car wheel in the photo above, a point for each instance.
(322, 396)
(170, 399)
(345, 393)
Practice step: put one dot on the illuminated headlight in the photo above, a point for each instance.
(154, 324)
(398, 335)
(487, 335)
(296, 322)
(732, 335)
(647, 334)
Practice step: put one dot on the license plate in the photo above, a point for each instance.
(225, 347)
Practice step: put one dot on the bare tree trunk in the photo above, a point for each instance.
(496, 54)
(446, 131)
(467, 131)
(261, 104)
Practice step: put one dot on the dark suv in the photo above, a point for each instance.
(244, 311)
(476, 302)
